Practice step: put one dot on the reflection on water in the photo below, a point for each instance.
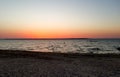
(63, 46)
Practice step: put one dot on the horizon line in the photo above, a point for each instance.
(51, 38)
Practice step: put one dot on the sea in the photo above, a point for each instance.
(99, 46)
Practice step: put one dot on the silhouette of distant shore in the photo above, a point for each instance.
(43, 38)
(59, 38)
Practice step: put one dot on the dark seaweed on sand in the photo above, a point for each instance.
(118, 48)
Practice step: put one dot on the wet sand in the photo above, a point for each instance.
(33, 64)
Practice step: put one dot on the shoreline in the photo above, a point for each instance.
(16, 63)
(23, 53)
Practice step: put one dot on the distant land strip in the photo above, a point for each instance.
(42, 38)
(59, 38)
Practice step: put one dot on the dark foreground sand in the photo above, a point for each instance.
(29, 64)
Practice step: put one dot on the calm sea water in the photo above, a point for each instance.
(63, 46)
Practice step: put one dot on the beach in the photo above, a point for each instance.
(15, 63)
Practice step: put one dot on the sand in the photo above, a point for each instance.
(34, 64)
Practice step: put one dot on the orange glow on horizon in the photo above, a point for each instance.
(59, 33)
(56, 35)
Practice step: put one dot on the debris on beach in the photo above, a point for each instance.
(118, 48)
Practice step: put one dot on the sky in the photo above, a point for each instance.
(59, 18)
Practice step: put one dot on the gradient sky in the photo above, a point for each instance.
(59, 18)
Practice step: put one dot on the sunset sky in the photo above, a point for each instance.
(59, 18)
